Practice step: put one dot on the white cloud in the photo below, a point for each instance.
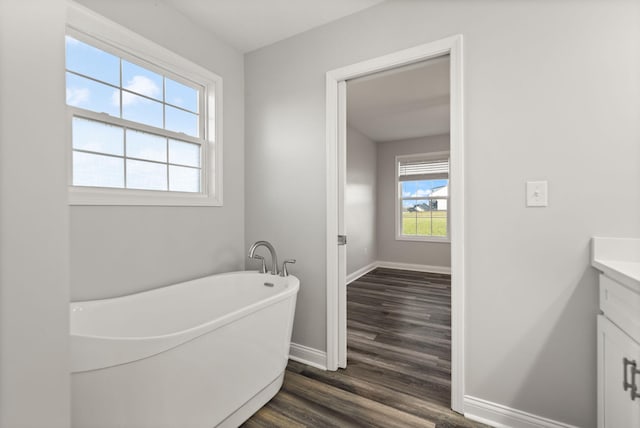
(77, 96)
(140, 85)
(421, 193)
(178, 101)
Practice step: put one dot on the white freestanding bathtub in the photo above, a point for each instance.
(203, 353)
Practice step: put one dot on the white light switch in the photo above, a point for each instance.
(537, 194)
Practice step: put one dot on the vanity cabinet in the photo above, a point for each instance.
(618, 260)
(616, 377)
(618, 355)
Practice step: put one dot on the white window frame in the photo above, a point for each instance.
(398, 200)
(87, 26)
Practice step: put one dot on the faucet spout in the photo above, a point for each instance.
(272, 251)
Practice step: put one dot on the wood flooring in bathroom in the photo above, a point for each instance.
(398, 362)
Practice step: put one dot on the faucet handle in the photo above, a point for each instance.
(263, 269)
(285, 272)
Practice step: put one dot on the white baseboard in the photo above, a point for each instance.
(395, 265)
(361, 272)
(309, 356)
(499, 416)
(416, 267)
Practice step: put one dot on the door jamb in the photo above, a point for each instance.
(336, 288)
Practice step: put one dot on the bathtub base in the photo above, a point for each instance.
(250, 407)
(198, 384)
(214, 374)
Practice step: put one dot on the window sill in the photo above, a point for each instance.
(103, 196)
(431, 239)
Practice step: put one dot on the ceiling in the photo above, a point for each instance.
(251, 24)
(406, 102)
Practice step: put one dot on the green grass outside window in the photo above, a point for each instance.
(425, 223)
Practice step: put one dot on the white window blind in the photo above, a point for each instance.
(423, 169)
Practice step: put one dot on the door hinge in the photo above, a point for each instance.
(342, 239)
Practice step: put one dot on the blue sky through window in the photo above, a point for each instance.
(94, 83)
(141, 81)
(419, 189)
(181, 95)
(111, 154)
(90, 61)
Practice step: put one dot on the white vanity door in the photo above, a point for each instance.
(616, 408)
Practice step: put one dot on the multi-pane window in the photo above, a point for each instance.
(147, 133)
(138, 127)
(423, 197)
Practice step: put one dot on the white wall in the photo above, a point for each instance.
(552, 93)
(120, 250)
(34, 227)
(389, 249)
(360, 200)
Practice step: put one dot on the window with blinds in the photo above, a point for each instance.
(423, 169)
(423, 197)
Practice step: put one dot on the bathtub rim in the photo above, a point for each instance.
(238, 313)
(96, 352)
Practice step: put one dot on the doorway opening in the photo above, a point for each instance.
(336, 179)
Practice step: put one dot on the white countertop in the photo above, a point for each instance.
(618, 258)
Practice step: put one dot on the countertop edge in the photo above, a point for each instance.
(626, 278)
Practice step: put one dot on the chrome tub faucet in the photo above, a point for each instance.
(272, 251)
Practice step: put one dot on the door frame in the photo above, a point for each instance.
(335, 169)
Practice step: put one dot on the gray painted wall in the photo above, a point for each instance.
(360, 201)
(111, 250)
(389, 249)
(34, 225)
(551, 93)
(120, 250)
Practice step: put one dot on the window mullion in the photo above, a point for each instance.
(93, 79)
(430, 219)
(125, 154)
(164, 105)
(166, 142)
(120, 88)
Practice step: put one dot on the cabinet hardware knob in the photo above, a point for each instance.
(626, 362)
(633, 386)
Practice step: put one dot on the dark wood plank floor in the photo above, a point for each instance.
(398, 362)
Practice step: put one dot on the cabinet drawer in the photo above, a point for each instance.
(621, 305)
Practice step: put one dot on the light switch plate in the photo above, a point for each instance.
(537, 194)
